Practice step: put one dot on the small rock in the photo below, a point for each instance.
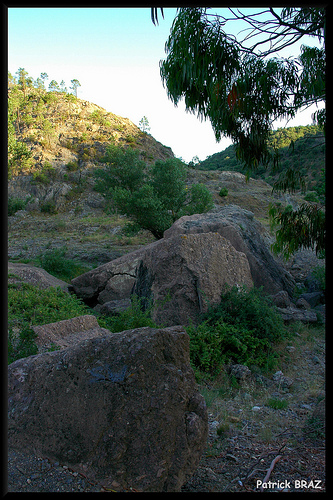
(281, 380)
(240, 372)
(256, 408)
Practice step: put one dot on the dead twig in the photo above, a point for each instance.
(276, 459)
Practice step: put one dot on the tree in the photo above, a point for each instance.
(22, 75)
(236, 84)
(144, 125)
(152, 197)
(75, 84)
(53, 86)
(63, 87)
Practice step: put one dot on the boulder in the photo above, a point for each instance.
(181, 276)
(123, 409)
(67, 332)
(240, 372)
(281, 299)
(247, 235)
(293, 314)
(111, 281)
(313, 298)
(35, 276)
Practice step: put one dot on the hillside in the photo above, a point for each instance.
(302, 147)
(56, 141)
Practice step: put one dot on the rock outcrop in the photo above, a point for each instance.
(247, 235)
(122, 408)
(33, 275)
(181, 275)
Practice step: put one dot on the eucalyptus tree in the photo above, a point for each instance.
(242, 86)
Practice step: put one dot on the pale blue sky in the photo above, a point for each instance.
(115, 54)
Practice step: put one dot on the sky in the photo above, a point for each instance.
(115, 54)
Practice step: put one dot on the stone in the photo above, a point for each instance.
(113, 307)
(301, 303)
(67, 332)
(185, 274)
(281, 380)
(313, 298)
(111, 281)
(293, 314)
(281, 299)
(35, 276)
(247, 235)
(123, 408)
(181, 276)
(240, 372)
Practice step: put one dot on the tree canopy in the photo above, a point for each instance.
(242, 85)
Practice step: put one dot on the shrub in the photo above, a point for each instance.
(72, 166)
(133, 317)
(48, 207)
(55, 263)
(250, 309)
(29, 306)
(223, 192)
(241, 329)
(16, 204)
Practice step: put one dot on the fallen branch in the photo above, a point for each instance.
(276, 459)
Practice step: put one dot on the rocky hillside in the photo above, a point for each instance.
(56, 140)
(300, 147)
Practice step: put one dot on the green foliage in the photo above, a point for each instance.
(239, 90)
(242, 328)
(301, 149)
(48, 207)
(16, 204)
(19, 157)
(132, 317)
(28, 306)
(277, 404)
(45, 175)
(152, 197)
(55, 263)
(144, 125)
(223, 192)
(300, 228)
(124, 170)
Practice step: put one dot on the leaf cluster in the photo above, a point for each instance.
(304, 227)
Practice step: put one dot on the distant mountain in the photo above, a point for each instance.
(303, 146)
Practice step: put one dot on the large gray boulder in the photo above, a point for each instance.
(123, 408)
(247, 235)
(181, 276)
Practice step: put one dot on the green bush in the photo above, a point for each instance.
(55, 263)
(29, 306)
(241, 329)
(223, 192)
(16, 204)
(250, 309)
(48, 207)
(133, 317)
